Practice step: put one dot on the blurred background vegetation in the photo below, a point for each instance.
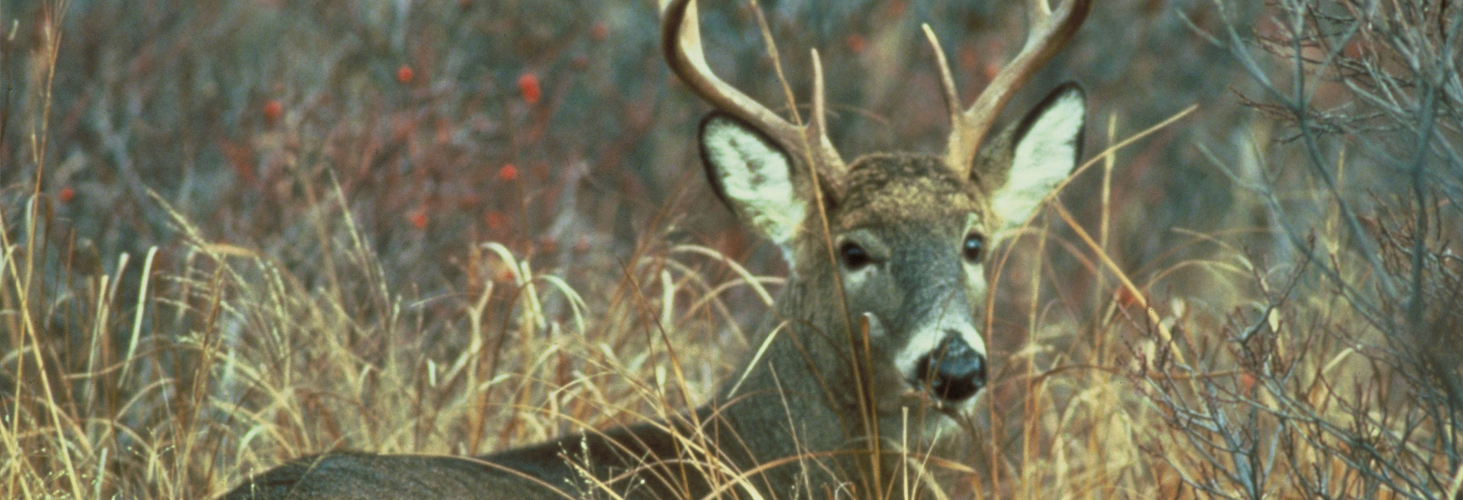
(238, 232)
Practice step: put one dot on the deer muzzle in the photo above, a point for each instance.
(953, 371)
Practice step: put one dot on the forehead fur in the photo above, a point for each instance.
(883, 188)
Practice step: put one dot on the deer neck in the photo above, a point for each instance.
(797, 386)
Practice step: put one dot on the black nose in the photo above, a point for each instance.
(953, 371)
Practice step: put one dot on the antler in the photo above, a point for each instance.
(1049, 32)
(681, 42)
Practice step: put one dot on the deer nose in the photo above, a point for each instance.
(953, 371)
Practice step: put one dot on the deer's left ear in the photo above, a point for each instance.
(1044, 149)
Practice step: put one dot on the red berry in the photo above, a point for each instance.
(508, 173)
(272, 110)
(528, 86)
(404, 74)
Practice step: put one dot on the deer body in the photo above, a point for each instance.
(873, 348)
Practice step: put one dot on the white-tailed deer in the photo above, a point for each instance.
(874, 341)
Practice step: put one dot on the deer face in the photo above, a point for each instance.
(909, 235)
(909, 245)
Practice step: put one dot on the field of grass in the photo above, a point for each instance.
(234, 233)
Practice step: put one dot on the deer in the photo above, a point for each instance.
(873, 338)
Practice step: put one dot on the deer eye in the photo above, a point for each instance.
(972, 246)
(854, 257)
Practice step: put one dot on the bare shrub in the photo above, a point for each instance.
(1339, 378)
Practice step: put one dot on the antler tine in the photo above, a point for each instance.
(681, 42)
(1049, 31)
(824, 150)
(947, 81)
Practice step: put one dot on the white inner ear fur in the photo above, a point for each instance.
(1042, 159)
(756, 178)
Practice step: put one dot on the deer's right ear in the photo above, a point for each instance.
(754, 176)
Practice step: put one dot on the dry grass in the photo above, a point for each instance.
(236, 236)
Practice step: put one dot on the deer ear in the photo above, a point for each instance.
(754, 176)
(1044, 149)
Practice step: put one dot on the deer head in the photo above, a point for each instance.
(887, 253)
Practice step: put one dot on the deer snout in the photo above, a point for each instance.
(953, 370)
